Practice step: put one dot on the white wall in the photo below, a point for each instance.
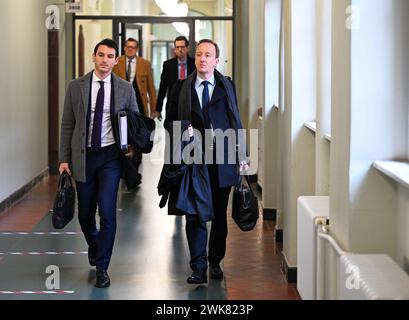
(255, 78)
(23, 92)
(340, 124)
(299, 107)
(370, 103)
(323, 114)
(269, 138)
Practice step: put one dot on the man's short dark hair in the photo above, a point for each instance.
(110, 44)
(132, 40)
(182, 38)
(211, 42)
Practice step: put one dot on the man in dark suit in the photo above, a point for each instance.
(208, 99)
(177, 68)
(90, 150)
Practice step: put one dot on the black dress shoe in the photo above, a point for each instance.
(197, 278)
(215, 272)
(92, 255)
(103, 280)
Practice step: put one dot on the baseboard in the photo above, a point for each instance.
(269, 214)
(20, 193)
(290, 273)
(279, 235)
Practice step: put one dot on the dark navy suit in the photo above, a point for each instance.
(169, 77)
(222, 176)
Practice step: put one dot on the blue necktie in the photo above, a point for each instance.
(98, 113)
(205, 104)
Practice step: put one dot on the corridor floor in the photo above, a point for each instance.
(150, 260)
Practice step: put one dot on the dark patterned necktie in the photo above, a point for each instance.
(205, 104)
(129, 70)
(98, 113)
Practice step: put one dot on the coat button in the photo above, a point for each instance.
(82, 151)
(83, 134)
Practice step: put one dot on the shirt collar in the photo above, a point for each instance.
(182, 61)
(132, 59)
(96, 79)
(200, 80)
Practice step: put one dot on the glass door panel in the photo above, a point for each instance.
(88, 34)
(155, 41)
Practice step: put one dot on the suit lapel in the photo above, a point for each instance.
(85, 86)
(138, 70)
(175, 69)
(196, 103)
(190, 65)
(218, 93)
(117, 94)
(122, 67)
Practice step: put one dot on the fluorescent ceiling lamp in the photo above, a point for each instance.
(172, 8)
(182, 28)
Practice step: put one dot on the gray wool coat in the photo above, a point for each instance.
(74, 119)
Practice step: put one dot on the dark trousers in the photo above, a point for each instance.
(196, 231)
(103, 173)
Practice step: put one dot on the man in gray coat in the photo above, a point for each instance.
(90, 152)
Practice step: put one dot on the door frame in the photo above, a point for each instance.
(122, 31)
(122, 20)
(119, 27)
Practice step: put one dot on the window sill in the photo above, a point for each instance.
(312, 125)
(396, 170)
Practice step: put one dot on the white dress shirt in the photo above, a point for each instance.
(107, 135)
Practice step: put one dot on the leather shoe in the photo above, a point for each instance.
(92, 255)
(103, 280)
(197, 278)
(215, 272)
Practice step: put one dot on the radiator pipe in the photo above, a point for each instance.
(323, 234)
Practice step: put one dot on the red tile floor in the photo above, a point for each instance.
(252, 265)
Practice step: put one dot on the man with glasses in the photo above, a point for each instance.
(177, 68)
(138, 71)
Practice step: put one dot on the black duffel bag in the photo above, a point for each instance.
(64, 203)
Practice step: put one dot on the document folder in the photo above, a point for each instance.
(123, 130)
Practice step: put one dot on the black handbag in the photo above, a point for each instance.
(245, 206)
(64, 203)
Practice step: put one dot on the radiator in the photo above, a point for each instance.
(372, 277)
(326, 272)
(309, 210)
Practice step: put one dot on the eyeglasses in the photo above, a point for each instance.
(129, 47)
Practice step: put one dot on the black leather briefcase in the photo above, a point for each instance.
(245, 206)
(64, 203)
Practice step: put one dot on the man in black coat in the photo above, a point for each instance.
(177, 68)
(208, 100)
